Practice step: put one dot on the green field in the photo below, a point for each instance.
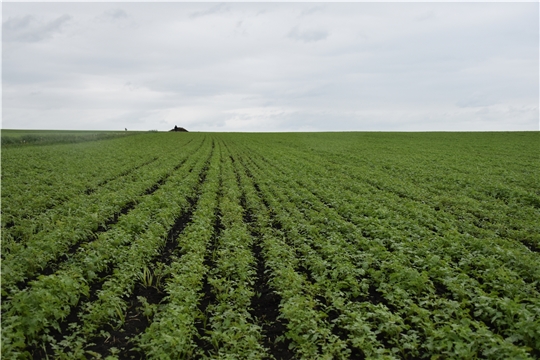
(273, 246)
(16, 138)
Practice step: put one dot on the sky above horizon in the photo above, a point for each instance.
(271, 66)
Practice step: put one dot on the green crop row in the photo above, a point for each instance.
(76, 221)
(368, 246)
(520, 276)
(232, 331)
(418, 222)
(477, 205)
(34, 180)
(309, 332)
(14, 138)
(173, 330)
(525, 312)
(49, 299)
(110, 305)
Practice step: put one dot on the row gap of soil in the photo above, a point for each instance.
(9, 224)
(257, 188)
(47, 351)
(136, 321)
(153, 294)
(265, 308)
(337, 330)
(531, 245)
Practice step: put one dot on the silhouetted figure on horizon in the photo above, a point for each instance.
(178, 129)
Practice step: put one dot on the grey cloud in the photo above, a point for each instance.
(219, 8)
(240, 28)
(307, 35)
(118, 13)
(311, 10)
(425, 16)
(17, 24)
(476, 100)
(112, 15)
(380, 68)
(29, 29)
(55, 25)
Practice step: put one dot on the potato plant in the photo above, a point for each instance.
(272, 246)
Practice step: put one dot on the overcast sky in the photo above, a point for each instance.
(271, 66)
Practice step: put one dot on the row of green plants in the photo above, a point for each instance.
(31, 314)
(109, 308)
(308, 331)
(526, 312)
(418, 221)
(65, 226)
(50, 235)
(24, 227)
(337, 282)
(16, 138)
(231, 330)
(515, 262)
(173, 332)
(379, 246)
(490, 194)
(404, 210)
(36, 179)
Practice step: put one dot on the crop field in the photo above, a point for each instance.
(16, 138)
(273, 246)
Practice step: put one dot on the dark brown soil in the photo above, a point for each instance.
(136, 323)
(265, 308)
